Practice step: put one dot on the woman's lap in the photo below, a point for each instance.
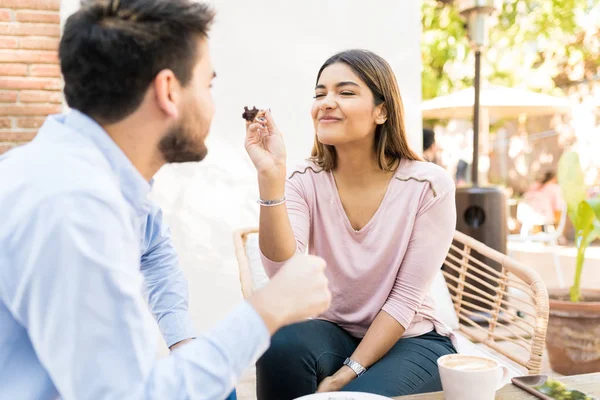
(409, 367)
(303, 354)
(300, 356)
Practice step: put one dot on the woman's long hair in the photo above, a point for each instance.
(390, 137)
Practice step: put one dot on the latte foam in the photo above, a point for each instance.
(468, 363)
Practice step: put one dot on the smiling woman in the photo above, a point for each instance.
(382, 219)
(369, 95)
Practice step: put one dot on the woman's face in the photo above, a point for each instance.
(344, 110)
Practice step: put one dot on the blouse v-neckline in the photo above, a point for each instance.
(340, 205)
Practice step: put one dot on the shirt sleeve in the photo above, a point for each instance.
(166, 285)
(429, 243)
(299, 215)
(79, 296)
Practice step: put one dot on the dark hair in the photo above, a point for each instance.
(111, 51)
(390, 137)
(547, 177)
(428, 138)
(462, 170)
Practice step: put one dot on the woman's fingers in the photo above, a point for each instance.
(270, 122)
(256, 131)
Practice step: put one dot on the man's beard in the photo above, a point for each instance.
(180, 146)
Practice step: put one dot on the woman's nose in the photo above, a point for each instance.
(328, 103)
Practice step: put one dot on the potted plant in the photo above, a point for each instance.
(573, 338)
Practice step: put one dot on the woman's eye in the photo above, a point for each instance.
(347, 94)
(319, 95)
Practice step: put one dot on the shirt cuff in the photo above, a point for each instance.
(176, 327)
(403, 317)
(245, 349)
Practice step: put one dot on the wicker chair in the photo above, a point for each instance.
(507, 311)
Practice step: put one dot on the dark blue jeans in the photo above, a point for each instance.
(302, 355)
(232, 396)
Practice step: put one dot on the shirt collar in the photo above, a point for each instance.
(132, 184)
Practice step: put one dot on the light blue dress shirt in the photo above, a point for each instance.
(166, 285)
(75, 222)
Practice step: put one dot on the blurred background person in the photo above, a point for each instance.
(462, 175)
(545, 199)
(430, 148)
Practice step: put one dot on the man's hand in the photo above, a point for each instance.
(298, 291)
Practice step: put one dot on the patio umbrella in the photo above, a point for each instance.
(496, 101)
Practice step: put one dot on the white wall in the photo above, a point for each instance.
(267, 53)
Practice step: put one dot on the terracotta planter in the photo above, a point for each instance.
(573, 338)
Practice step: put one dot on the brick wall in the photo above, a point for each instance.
(30, 80)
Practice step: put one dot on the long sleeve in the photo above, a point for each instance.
(78, 294)
(166, 285)
(424, 256)
(299, 215)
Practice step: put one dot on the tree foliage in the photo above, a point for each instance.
(540, 44)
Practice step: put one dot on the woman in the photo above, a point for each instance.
(381, 218)
(545, 200)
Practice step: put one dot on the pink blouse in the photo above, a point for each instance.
(545, 200)
(391, 262)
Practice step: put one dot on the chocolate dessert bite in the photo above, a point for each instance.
(250, 115)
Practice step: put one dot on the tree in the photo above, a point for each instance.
(541, 44)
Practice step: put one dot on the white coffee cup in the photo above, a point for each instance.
(466, 377)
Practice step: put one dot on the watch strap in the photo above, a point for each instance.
(354, 366)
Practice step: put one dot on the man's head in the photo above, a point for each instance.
(429, 146)
(143, 58)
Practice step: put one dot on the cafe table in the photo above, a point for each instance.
(588, 383)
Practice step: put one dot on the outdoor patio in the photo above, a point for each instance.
(535, 74)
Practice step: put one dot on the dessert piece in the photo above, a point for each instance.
(250, 115)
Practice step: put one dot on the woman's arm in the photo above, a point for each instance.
(266, 148)
(429, 243)
(276, 235)
(382, 335)
(424, 257)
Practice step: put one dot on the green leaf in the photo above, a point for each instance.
(571, 181)
(593, 235)
(595, 205)
(583, 238)
(584, 221)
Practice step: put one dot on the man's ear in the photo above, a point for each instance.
(168, 92)
(381, 114)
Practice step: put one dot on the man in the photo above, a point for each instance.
(429, 146)
(73, 205)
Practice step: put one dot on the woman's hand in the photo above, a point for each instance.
(337, 381)
(265, 146)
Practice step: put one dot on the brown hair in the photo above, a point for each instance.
(390, 137)
(111, 51)
(547, 177)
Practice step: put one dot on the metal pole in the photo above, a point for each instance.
(477, 86)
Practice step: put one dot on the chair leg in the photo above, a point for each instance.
(557, 267)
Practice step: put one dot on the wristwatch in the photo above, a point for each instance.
(354, 366)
